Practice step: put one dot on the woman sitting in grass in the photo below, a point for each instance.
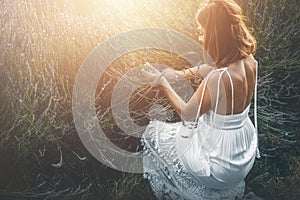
(211, 160)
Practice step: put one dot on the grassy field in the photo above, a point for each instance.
(43, 44)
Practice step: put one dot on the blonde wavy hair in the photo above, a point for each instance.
(226, 36)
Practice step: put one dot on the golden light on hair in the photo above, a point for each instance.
(226, 38)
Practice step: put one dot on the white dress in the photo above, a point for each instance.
(209, 164)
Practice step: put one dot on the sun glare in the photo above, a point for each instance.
(133, 13)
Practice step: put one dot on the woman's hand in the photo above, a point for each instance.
(153, 75)
(173, 75)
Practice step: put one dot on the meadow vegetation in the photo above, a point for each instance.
(43, 44)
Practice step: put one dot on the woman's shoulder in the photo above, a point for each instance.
(249, 62)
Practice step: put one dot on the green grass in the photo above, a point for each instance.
(43, 46)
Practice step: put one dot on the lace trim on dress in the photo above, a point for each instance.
(171, 180)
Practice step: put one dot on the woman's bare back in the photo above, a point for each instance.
(243, 74)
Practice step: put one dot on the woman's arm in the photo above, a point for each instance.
(187, 111)
(198, 72)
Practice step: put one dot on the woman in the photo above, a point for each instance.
(209, 161)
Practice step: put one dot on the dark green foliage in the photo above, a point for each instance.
(276, 27)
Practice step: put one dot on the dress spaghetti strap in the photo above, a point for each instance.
(225, 69)
(255, 109)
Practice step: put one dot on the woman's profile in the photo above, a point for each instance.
(212, 161)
